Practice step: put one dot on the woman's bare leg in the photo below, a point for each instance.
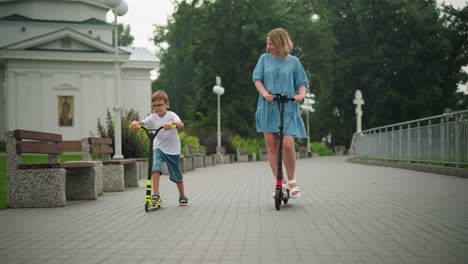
(289, 159)
(271, 141)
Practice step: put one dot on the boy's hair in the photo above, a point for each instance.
(280, 38)
(160, 95)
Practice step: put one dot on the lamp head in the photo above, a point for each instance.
(121, 9)
(315, 17)
(218, 90)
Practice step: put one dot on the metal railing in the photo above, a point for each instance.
(437, 140)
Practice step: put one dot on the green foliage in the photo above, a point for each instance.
(403, 55)
(134, 145)
(186, 139)
(319, 147)
(252, 145)
(125, 37)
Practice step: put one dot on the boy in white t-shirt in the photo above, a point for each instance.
(166, 145)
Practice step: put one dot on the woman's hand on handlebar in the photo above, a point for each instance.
(268, 97)
(299, 98)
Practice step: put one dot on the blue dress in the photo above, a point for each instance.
(283, 76)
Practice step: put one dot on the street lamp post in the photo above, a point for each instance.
(307, 107)
(217, 89)
(119, 8)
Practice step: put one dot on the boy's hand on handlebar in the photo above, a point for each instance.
(299, 98)
(134, 126)
(169, 125)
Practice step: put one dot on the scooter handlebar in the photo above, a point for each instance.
(281, 97)
(172, 127)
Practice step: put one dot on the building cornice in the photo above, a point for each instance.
(6, 54)
(62, 33)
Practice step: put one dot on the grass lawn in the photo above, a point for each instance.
(34, 159)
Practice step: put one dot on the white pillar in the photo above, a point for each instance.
(219, 121)
(217, 89)
(358, 101)
(117, 107)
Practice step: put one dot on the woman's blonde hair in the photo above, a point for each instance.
(280, 38)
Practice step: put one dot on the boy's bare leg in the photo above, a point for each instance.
(156, 177)
(180, 187)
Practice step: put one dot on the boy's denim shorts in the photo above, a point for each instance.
(173, 164)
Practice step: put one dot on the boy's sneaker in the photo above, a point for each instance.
(183, 201)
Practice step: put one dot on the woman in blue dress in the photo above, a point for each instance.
(278, 72)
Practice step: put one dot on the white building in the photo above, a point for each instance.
(57, 68)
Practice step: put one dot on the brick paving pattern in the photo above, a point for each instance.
(348, 213)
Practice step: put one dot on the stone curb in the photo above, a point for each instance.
(457, 172)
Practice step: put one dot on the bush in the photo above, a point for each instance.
(321, 148)
(188, 140)
(134, 145)
(252, 145)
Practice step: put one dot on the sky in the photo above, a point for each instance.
(143, 14)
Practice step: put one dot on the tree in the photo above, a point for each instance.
(405, 56)
(125, 36)
(399, 54)
(222, 38)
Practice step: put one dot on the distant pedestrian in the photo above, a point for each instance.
(329, 141)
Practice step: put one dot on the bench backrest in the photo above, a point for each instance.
(241, 151)
(201, 150)
(221, 150)
(189, 150)
(71, 145)
(303, 149)
(93, 145)
(26, 141)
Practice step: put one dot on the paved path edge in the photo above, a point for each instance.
(457, 172)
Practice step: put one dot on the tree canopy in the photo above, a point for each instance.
(125, 37)
(405, 56)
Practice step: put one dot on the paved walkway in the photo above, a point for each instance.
(349, 213)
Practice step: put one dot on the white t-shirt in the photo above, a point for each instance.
(167, 141)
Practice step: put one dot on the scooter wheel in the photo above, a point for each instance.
(286, 197)
(146, 206)
(278, 197)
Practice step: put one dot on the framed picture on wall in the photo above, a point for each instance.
(65, 110)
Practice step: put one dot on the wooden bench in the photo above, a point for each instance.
(210, 159)
(222, 156)
(198, 159)
(45, 185)
(75, 146)
(142, 168)
(340, 150)
(263, 153)
(117, 173)
(244, 156)
(303, 153)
